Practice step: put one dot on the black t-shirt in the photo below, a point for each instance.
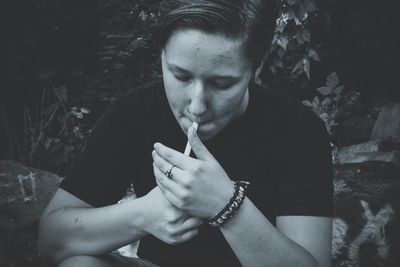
(278, 145)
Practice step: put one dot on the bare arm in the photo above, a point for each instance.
(70, 226)
(297, 240)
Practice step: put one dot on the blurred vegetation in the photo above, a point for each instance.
(66, 61)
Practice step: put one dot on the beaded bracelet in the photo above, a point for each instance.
(233, 205)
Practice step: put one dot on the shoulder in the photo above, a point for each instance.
(142, 97)
(288, 113)
(133, 107)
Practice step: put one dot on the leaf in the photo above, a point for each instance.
(332, 80)
(85, 110)
(257, 80)
(280, 26)
(324, 90)
(292, 45)
(324, 116)
(62, 93)
(306, 67)
(274, 39)
(282, 41)
(307, 103)
(272, 68)
(277, 62)
(327, 101)
(299, 37)
(316, 102)
(301, 11)
(338, 90)
(292, 15)
(138, 43)
(336, 98)
(298, 66)
(313, 54)
(306, 35)
(280, 52)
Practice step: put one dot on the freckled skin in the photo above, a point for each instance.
(205, 58)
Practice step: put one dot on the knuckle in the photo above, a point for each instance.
(167, 154)
(195, 232)
(170, 230)
(185, 196)
(197, 169)
(185, 199)
(180, 204)
(173, 240)
(198, 222)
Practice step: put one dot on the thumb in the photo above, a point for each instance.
(197, 146)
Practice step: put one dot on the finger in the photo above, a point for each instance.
(174, 157)
(191, 223)
(188, 235)
(172, 199)
(176, 173)
(169, 185)
(197, 146)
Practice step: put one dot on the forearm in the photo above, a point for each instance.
(256, 242)
(70, 231)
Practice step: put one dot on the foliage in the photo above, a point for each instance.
(292, 50)
(332, 102)
(56, 137)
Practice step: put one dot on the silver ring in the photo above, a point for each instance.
(169, 172)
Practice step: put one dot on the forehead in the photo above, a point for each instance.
(188, 47)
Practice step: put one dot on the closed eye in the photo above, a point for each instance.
(182, 78)
(221, 85)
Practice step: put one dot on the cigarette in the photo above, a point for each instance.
(188, 148)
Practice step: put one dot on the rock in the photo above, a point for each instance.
(370, 146)
(388, 123)
(355, 129)
(349, 156)
(24, 193)
(366, 227)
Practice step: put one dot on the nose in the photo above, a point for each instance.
(198, 103)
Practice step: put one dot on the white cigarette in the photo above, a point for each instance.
(195, 125)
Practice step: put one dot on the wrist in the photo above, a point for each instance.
(224, 197)
(138, 220)
(233, 205)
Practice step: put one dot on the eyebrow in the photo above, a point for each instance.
(174, 67)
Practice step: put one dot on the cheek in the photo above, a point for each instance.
(174, 92)
(230, 101)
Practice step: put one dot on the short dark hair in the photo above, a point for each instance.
(253, 21)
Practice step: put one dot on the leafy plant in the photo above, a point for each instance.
(292, 49)
(54, 138)
(332, 102)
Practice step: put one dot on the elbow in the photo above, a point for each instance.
(51, 253)
(50, 247)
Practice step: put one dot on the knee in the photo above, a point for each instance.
(87, 261)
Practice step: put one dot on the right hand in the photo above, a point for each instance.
(166, 222)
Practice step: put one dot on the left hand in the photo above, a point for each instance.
(199, 186)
